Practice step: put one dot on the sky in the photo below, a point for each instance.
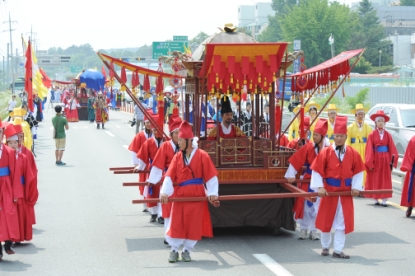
(111, 24)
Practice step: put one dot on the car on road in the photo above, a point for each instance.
(401, 124)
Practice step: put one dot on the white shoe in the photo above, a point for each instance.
(313, 235)
(303, 234)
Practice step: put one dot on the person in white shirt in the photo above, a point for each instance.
(12, 105)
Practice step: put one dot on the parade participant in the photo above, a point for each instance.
(264, 122)
(10, 191)
(162, 162)
(145, 156)
(336, 168)
(247, 120)
(381, 155)
(226, 128)
(191, 168)
(295, 125)
(236, 113)
(33, 124)
(30, 190)
(283, 141)
(296, 143)
(90, 107)
(305, 211)
(312, 108)
(72, 109)
(101, 110)
(38, 103)
(18, 115)
(12, 105)
(134, 148)
(332, 113)
(24, 173)
(357, 133)
(408, 166)
(139, 116)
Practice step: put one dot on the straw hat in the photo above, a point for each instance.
(312, 104)
(359, 108)
(332, 107)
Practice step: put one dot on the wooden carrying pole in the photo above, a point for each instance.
(258, 196)
(231, 182)
(129, 172)
(121, 168)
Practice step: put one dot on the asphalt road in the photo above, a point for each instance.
(87, 225)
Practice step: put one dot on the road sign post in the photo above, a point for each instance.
(165, 48)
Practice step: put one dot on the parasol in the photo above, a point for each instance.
(92, 79)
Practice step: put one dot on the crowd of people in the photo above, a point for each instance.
(334, 156)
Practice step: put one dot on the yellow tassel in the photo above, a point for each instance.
(269, 89)
(256, 90)
(265, 82)
(231, 78)
(292, 96)
(259, 78)
(250, 85)
(225, 98)
(274, 78)
(252, 97)
(245, 81)
(220, 85)
(237, 84)
(334, 85)
(213, 89)
(217, 78)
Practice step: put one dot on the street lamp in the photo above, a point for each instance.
(380, 58)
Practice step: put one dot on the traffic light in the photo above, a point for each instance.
(140, 58)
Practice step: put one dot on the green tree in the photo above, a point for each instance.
(273, 31)
(407, 2)
(312, 22)
(360, 98)
(370, 34)
(362, 66)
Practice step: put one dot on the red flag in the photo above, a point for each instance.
(104, 72)
(28, 85)
(45, 79)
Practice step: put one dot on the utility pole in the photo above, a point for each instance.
(11, 50)
(8, 67)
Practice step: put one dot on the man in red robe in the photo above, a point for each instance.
(162, 162)
(336, 168)
(191, 169)
(305, 211)
(408, 166)
(10, 192)
(31, 192)
(226, 128)
(24, 173)
(380, 153)
(297, 142)
(145, 156)
(134, 148)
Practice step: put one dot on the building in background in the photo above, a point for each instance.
(254, 18)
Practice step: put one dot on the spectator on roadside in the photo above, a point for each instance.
(12, 105)
(139, 116)
(60, 124)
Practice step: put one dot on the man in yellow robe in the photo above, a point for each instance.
(332, 114)
(358, 132)
(18, 115)
(312, 108)
(294, 127)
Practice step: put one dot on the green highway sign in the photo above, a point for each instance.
(165, 48)
(76, 69)
(180, 38)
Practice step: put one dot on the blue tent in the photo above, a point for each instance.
(93, 79)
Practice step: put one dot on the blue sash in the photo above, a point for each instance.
(307, 170)
(411, 180)
(353, 140)
(335, 182)
(382, 149)
(5, 171)
(309, 203)
(22, 180)
(193, 181)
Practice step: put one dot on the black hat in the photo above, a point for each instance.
(248, 103)
(226, 105)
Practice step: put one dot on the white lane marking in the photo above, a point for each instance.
(272, 265)
(125, 146)
(109, 133)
